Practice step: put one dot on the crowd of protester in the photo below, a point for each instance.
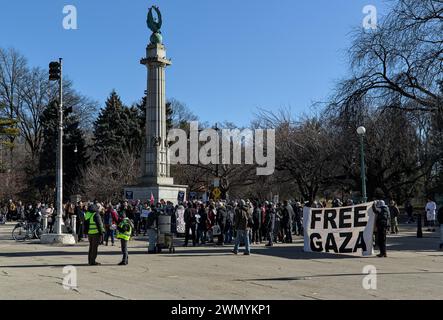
(242, 222)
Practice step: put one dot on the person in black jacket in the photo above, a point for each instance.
(382, 222)
(256, 228)
(190, 224)
(270, 224)
(230, 212)
(202, 226)
(440, 221)
(298, 216)
(80, 213)
(152, 228)
(222, 216)
(288, 216)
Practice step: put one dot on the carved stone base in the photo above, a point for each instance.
(167, 192)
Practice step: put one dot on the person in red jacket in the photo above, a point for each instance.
(111, 222)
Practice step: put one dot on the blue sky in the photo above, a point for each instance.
(230, 57)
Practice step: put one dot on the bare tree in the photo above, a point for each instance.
(400, 62)
(105, 180)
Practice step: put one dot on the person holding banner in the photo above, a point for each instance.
(440, 221)
(382, 223)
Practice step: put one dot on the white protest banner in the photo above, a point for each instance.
(346, 230)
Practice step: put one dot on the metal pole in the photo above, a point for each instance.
(74, 225)
(419, 226)
(363, 169)
(218, 151)
(60, 154)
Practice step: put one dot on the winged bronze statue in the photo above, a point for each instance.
(154, 24)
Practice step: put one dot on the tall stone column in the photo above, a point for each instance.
(156, 160)
(156, 179)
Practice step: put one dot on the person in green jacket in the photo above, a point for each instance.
(94, 229)
(124, 230)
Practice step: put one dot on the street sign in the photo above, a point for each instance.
(216, 183)
(181, 196)
(129, 195)
(216, 193)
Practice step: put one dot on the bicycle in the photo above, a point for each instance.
(27, 231)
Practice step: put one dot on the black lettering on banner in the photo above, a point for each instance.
(330, 216)
(331, 245)
(316, 246)
(360, 244)
(315, 217)
(359, 215)
(344, 215)
(347, 238)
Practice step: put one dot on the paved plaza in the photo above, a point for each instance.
(414, 270)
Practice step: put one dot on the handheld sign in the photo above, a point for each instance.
(145, 213)
(181, 196)
(346, 230)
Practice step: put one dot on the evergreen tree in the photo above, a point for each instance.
(117, 129)
(141, 107)
(74, 150)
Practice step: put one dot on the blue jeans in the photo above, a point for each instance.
(242, 235)
(202, 236)
(109, 233)
(228, 235)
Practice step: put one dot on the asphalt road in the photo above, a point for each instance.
(414, 270)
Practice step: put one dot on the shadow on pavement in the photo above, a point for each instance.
(54, 266)
(302, 278)
(64, 253)
(280, 251)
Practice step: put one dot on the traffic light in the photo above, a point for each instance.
(54, 71)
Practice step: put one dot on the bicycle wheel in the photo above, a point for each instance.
(19, 233)
(38, 232)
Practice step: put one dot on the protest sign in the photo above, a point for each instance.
(347, 230)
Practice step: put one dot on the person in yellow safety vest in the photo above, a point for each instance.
(94, 229)
(124, 232)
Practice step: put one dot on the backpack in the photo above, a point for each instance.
(250, 221)
(108, 218)
(384, 218)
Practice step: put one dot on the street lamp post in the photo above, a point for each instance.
(60, 154)
(361, 131)
(56, 74)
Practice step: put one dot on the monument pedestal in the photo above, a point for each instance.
(167, 192)
(58, 239)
